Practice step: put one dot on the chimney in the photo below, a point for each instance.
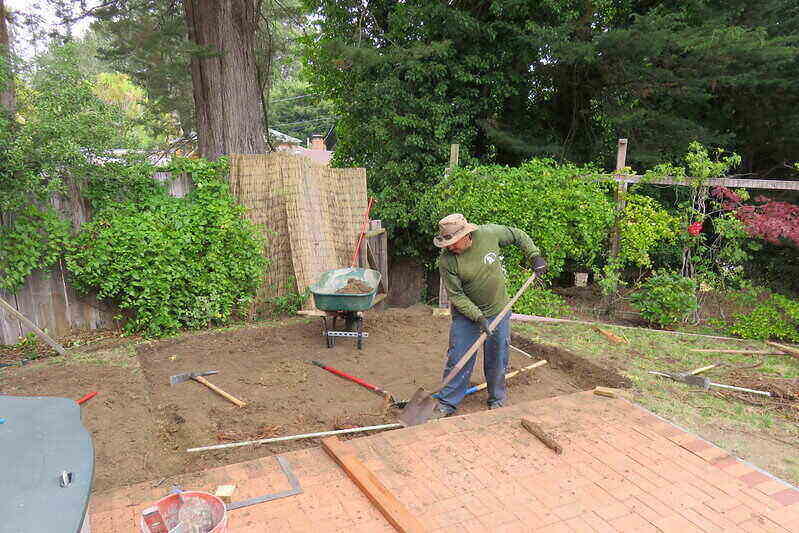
(318, 142)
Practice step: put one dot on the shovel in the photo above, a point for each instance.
(705, 383)
(420, 406)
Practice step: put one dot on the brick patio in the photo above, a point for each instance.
(622, 469)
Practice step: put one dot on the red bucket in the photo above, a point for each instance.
(185, 511)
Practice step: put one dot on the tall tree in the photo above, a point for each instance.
(558, 78)
(7, 95)
(217, 42)
(227, 95)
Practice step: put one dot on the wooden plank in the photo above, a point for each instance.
(10, 327)
(45, 337)
(374, 232)
(379, 298)
(394, 511)
(605, 391)
(781, 185)
(790, 350)
(536, 430)
(610, 335)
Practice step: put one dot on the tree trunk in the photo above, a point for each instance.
(227, 97)
(8, 99)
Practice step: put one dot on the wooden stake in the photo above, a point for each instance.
(604, 391)
(396, 513)
(612, 337)
(45, 337)
(621, 202)
(443, 297)
(787, 349)
(536, 430)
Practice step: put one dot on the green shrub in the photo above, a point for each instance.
(565, 212)
(291, 301)
(172, 262)
(665, 298)
(775, 318)
(541, 302)
(645, 227)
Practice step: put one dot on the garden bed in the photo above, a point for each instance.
(141, 426)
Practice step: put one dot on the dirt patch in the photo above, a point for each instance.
(142, 425)
(582, 373)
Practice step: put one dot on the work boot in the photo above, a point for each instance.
(494, 405)
(440, 412)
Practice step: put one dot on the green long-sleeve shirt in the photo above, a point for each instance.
(475, 279)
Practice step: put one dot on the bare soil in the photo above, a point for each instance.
(141, 426)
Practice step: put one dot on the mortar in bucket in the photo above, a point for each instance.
(185, 512)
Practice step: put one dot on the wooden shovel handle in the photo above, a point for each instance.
(481, 339)
(220, 391)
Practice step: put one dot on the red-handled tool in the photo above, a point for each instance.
(360, 382)
(363, 232)
(86, 398)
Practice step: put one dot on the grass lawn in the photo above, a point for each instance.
(749, 426)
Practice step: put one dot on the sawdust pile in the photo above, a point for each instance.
(355, 286)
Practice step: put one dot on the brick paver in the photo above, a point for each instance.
(622, 469)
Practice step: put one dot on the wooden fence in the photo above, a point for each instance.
(307, 194)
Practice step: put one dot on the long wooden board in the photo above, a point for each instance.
(396, 513)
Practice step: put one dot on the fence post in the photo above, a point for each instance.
(621, 202)
(454, 155)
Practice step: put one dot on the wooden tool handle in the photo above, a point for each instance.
(481, 339)
(219, 391)
(787, 349)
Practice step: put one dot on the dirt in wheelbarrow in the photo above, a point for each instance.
(355, 286)
(142, 426)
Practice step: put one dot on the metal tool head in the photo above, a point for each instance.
(419, 409)
(180, 378)
(697, 381)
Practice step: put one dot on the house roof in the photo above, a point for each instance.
(319, 156)
(282, 137)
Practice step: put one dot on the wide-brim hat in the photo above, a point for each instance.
(451, 229)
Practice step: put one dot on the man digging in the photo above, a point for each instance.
(474, 277)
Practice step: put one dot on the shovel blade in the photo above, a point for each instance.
(697, 381)
(419, 409)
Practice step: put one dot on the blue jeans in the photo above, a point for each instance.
(462, 334)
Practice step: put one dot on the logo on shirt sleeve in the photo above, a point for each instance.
(490, 258)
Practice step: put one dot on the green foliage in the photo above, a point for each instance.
(775, 318)
(291, 301)
(172, 262)
(645, 226)
(58, 138)
(34, 240)
(665, 298)
(510, 80)
(296, 111)
(540, 302)
(565, 212)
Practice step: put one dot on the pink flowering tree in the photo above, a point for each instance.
(773, 221)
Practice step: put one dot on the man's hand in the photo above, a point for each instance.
(540, 266)
(484, 326)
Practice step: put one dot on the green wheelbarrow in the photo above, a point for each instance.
(347, 306)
